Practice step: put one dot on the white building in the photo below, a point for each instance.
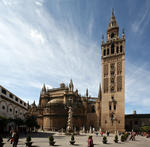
(11, 106)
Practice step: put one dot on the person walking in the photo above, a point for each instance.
(16, 139)
(11, 136)
(90, 142)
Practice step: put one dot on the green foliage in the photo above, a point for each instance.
(3, 122)
(72, 141)
(18, 121)
(124, 137)
(31, 122)
(104, 139)
(145, 129)
(28, 139)
(72, 137)
(51, 138)
(116, 139)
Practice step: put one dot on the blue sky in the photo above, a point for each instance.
(52, 41)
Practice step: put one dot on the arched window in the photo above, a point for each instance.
(93, 109)
(104, 52)
(108, 51)
(121, 48)
(109, 107)
(3, 107)
(117, 50)
(112, 35)
(112, 49)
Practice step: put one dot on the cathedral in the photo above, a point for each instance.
(105, 112)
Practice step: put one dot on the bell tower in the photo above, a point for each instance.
(113, 79)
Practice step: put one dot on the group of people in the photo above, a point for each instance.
(14, 138)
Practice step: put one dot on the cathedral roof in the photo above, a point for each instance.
(56, 101)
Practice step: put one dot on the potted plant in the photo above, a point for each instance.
(116, 139)
(122, 138)
(28, 141)
(51, 140)
(72, 141)
(104, 140)
(1, 142)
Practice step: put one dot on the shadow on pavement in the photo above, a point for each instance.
(36, 135)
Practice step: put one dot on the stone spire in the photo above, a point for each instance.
(87, 93)
(71, 87)
(102, 38)
(33, 104)
(43, 91)
(113, 22)
(100, 92)
(113, 29)
(123, 34)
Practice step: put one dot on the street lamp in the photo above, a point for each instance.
(114, 119)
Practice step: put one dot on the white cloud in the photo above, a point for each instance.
(36, 47)
(39, 2)
(37, 36)
(142, 19)
(137, 86)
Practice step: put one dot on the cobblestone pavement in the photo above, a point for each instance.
(41, 140)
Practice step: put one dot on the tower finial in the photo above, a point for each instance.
(102, 36)
(112, 11)
(100, 92)
(123, 31)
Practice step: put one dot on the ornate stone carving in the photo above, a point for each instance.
(119, 83)
(105, 69)
(119, 67)
(105, 85)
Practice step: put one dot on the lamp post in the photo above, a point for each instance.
(114, 119)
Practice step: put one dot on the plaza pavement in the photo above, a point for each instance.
(41, 140)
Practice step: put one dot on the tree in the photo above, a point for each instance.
(31, 122)
(3, 124)
(145, 129)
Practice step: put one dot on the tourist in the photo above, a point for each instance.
(107, 132)
(11, 136)
(90, 142)
(101, 134)
(96, 132)
(16, 139)
(134, 134)
(132, 137)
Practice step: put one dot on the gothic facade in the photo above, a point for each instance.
(52, 111)
(107, 110)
